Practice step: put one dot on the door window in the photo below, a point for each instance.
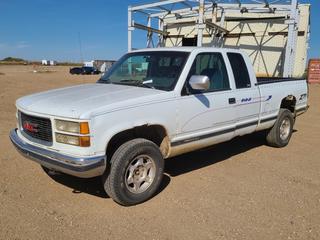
(211, 65)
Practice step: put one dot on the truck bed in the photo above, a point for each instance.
(267, 80)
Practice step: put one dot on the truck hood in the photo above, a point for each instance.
(83, 101)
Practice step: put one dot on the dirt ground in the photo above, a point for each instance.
(241, 189)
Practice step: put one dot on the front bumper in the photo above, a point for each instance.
(84, 167)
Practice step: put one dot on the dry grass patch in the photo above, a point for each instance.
(43, 71)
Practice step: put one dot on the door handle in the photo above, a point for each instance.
(232, 100)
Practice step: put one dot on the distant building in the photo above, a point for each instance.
(88, 64)
(49, 62)
(103, 65)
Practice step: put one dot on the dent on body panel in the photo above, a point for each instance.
(302, 96)
(205, 119)
(267, 108)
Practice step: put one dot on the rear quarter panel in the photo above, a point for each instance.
(272, 95)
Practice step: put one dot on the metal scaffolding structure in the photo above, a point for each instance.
(179, 9)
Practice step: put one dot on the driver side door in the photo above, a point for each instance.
(206, 117)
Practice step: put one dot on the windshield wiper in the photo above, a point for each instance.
(147, 82)
(138, 82)
(129, 81)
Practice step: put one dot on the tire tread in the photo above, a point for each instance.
(273, 138)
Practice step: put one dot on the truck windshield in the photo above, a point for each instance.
(156, 69)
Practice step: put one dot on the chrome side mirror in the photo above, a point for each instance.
(199, 82)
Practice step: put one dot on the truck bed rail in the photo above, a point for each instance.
(267, 80)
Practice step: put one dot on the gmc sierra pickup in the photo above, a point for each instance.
(151, 105)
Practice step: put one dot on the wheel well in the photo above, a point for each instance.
(154, 133)
(289, 103)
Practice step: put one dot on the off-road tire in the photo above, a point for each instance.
(115, 178)
(274, 138)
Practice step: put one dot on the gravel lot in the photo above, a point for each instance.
(241, 189)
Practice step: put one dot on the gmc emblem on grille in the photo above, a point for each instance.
(31, 127)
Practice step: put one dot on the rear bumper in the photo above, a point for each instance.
(84, 167)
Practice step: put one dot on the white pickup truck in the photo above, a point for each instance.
(151, 105)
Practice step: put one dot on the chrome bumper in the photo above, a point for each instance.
(84, 167)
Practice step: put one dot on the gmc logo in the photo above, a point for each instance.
(31, 127)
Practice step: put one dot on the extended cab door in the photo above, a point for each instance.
(206, 117)
(246, 93)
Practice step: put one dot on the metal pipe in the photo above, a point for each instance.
(227, 7)
(149, 34)
(200, 23)
(292, 35)
(155, 4)
(160, 36)
(150, 29)
(129, 29)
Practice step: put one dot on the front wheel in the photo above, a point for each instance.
(135, 173)
(279, 135)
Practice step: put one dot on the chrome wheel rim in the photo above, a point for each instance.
(285, 129)
(140, 174)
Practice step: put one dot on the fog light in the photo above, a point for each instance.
(67, 139)
(82, 141)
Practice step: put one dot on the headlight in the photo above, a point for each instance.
(82, 141)
(72, 127)
(76, 128)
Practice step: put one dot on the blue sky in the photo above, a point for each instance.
(50, 29)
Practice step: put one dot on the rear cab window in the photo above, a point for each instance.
(240, 70)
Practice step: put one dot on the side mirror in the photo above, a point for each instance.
(199, 82)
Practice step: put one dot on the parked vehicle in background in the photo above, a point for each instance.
(90, 70)
(75, 70)
(84, 70)
(151, 105)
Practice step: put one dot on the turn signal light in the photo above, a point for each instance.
(84, 128)
(84, 141)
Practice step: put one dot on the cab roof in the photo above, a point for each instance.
(187, 49)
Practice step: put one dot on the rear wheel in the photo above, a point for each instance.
(279, 135)
(135, 173)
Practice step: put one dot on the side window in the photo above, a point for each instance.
(213, 66)
(240, 71)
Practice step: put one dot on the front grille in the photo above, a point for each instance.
(36, 127)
